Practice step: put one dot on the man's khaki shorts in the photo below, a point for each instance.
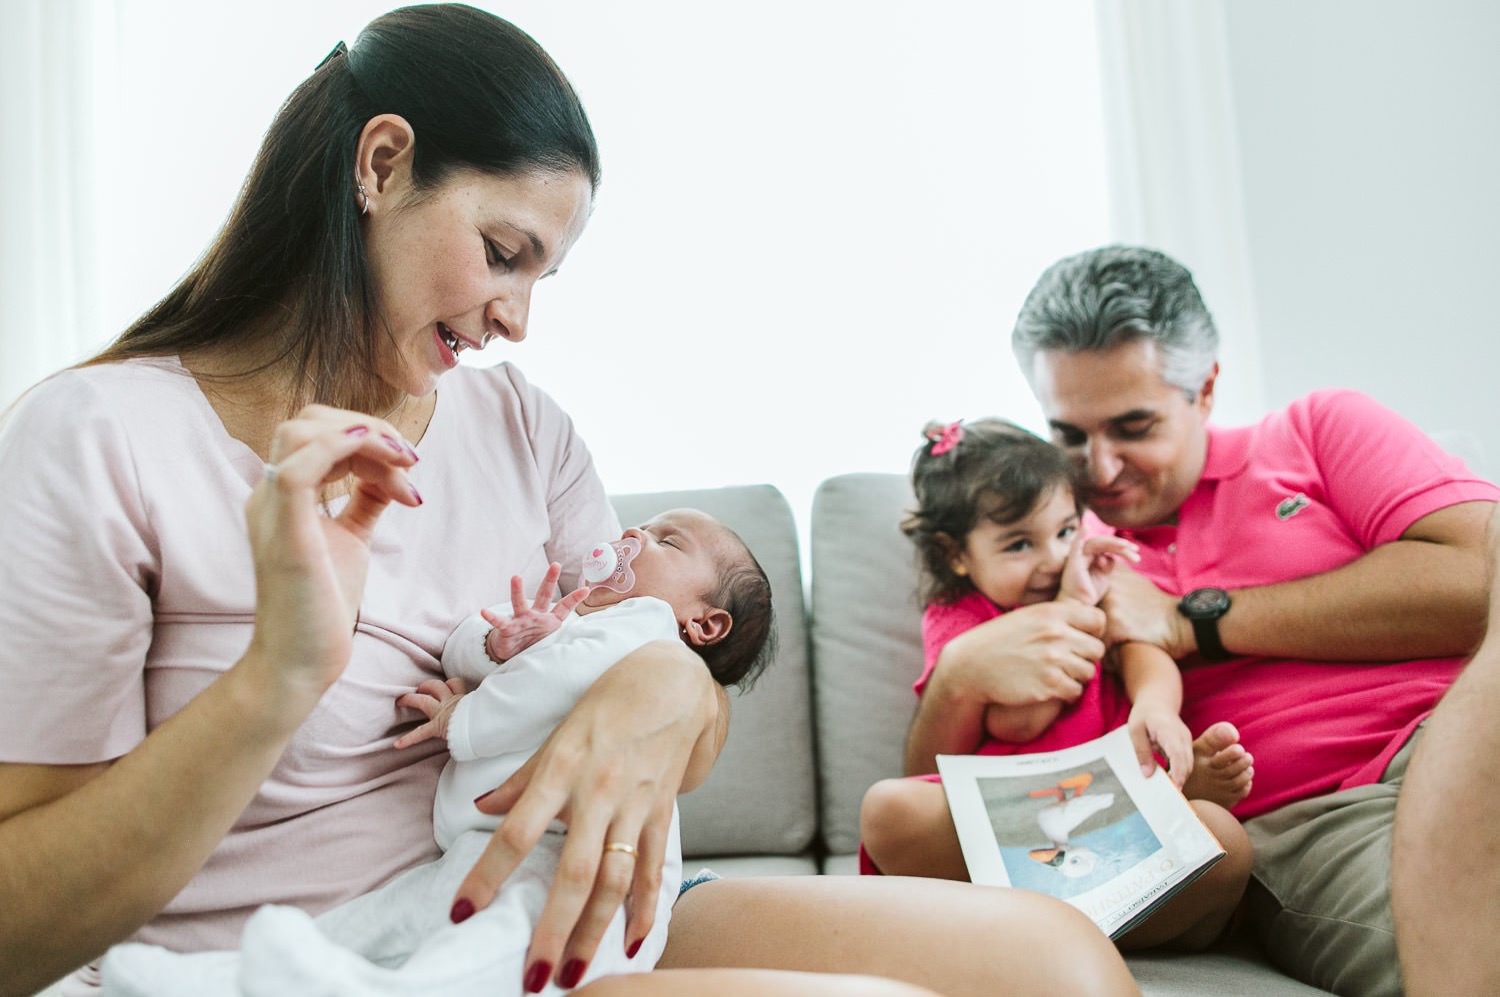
(1320, 893)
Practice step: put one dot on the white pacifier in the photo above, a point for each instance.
(607, 565)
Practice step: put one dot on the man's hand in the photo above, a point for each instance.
(1029, 655)
(529, 623)
(1139, 611)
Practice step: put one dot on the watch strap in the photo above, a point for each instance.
(1210, 647)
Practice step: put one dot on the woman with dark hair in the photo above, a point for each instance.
(199, 706)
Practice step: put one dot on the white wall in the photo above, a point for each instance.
(818, 220)
(1370, 143)
(816, 224)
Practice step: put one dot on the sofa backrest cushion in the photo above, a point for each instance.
(867, 642)
(761, 797)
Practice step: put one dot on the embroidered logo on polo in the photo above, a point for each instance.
(1291, 505)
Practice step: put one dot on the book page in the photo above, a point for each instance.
(1081, 824)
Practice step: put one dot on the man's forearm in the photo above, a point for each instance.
(1411, 598)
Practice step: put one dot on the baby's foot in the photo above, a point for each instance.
(1222, 768)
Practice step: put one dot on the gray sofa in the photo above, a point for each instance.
(830, 715)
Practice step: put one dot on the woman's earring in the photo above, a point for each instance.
(364, 199)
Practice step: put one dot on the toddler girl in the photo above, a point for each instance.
(998, 526)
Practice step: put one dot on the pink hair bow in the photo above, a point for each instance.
(946, 438)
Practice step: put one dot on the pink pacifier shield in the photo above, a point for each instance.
(607, 565)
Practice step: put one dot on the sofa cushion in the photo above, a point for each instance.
(867, 642)
(761, 797)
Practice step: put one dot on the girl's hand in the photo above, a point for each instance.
(1090, 560)
(436, 700)
(611, 771)
(310, 567)
(529, 624)
(1158, 731)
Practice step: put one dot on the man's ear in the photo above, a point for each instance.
(382, 160)
(1206, 393)
(708, 627)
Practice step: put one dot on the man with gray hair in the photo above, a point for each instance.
(1318, 575)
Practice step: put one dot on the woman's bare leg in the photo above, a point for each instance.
(953, 938)
(749, 983)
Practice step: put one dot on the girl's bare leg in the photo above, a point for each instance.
(1197, 916)
(907, 830)
(954, 938)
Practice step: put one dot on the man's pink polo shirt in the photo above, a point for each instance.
(1307, 490)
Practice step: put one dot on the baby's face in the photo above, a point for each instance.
(1020, 563)
(681, 551)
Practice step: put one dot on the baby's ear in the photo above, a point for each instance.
(708, 627)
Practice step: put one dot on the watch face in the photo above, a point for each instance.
(1205, 604)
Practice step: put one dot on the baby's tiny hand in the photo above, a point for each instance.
(436, 700)
(529, 623)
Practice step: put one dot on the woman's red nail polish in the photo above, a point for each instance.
(356, 430)
(572, 973)
(537, 976)
(414, 493)
(480, 797)
(635, 947)
(393, 443)
(462, 910)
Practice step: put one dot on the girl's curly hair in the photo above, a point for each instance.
(995, 470)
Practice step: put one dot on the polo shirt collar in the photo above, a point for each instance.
(1228, 452)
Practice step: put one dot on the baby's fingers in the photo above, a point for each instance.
(417, 735)
(517, 599)
(571, 601)
(549, 585)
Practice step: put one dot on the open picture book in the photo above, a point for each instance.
(1081, 824)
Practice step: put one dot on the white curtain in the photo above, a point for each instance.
(56, 59)
(1174, 166)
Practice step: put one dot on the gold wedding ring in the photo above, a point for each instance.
(620, 846)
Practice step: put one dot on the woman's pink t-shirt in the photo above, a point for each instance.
(127, 588)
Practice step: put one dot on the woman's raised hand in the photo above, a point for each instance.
(611, 771)
(310, 567)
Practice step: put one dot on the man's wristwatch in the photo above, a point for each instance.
(1203, 607)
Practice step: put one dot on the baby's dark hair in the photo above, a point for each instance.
(986, 469)
(744, 592)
